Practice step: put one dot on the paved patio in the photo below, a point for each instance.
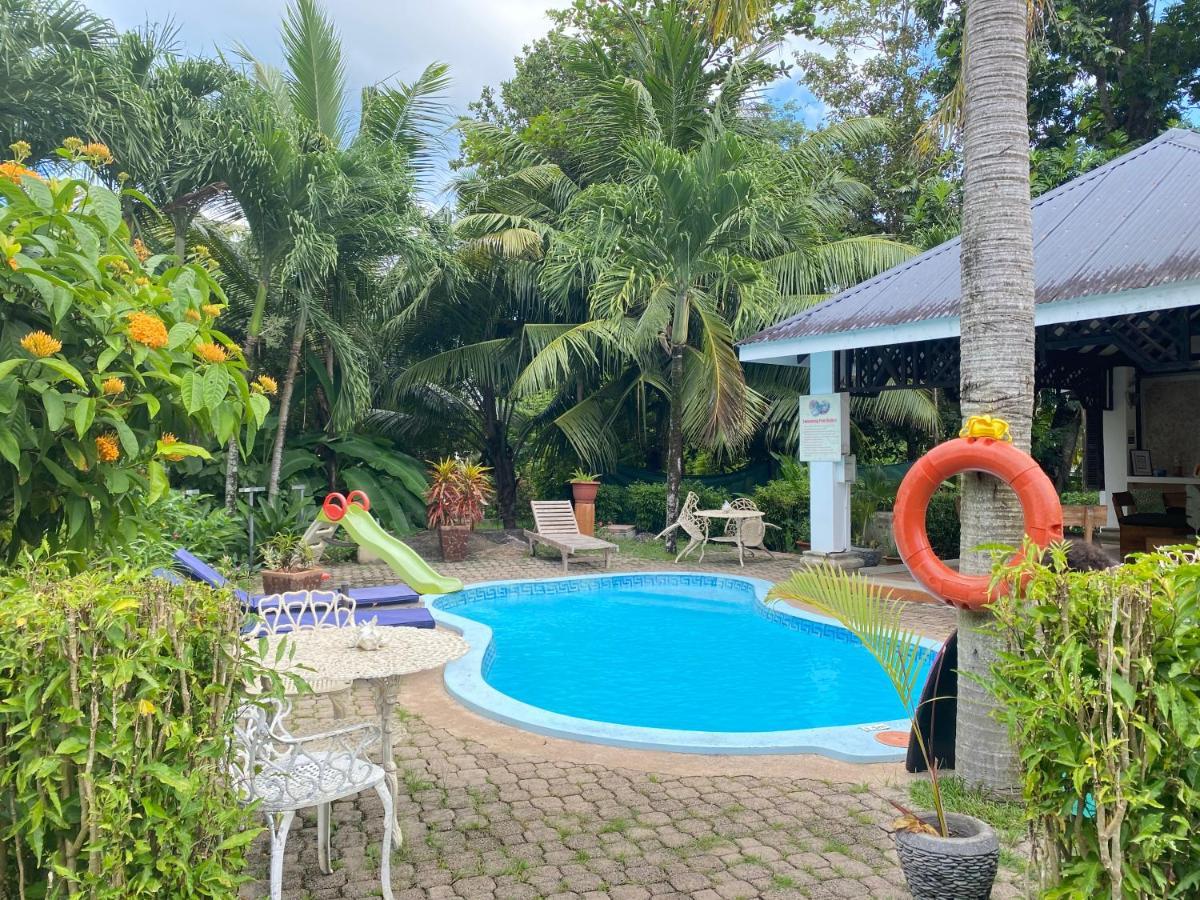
(493, 812)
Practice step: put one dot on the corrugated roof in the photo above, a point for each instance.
(1131, 223)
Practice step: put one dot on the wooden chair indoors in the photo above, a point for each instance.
(1138, 528)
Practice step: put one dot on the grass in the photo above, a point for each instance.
(1007, 818)
(635, 549)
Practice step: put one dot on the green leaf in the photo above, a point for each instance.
(238, 839)
(9, 364)
(170, 778)
(56, 409)
(181, 333)
(1124, 690)
(259, 406)
(107, 355)
(70, 746)
(129, 442)
(65, 369)
(166, 451)
(39, 193)
(61, 475)
(214, 386)
(189, 389)
(104, 205)
(159, 484)
(8, 447)
(85, 412)
(153, 404)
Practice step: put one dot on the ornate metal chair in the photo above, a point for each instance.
(754, 530)
(695, 527)
(285, 774)
(308, 611)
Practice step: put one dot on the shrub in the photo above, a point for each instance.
(105, 358)
(784, 502)
(113, 747)
(197, 523)
(648, 501)
(612, 504)
(942, 524)
(1080, 498)
(1100, 688)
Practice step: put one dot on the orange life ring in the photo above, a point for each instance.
(1039, 503)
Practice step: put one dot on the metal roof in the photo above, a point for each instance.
(1131, 223)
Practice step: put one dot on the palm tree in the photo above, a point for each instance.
(997, 343)
(52, 62)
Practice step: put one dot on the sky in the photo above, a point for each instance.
(384, 39)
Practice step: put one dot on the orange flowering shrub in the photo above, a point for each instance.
(81, 453)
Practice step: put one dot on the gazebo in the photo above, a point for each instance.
(1117, 280)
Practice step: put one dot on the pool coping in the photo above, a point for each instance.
(464, 680)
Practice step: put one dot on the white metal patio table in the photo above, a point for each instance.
(324, 657)
(738, 517)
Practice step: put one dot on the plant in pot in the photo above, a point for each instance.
(584, 486)
(458, 493)
(942, 854)
(872, 491)
(288, 564)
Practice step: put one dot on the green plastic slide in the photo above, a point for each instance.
(404, 561)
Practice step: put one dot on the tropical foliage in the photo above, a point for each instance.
(113, 361)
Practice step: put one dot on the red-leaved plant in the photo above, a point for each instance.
(458, 493)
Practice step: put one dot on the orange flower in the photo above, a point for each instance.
(192, 316)
(97, 152)
(210, 352)
(266, 384)
(148, 329)
(14, 172)
(107, 448)
(40, 344)
(141, 250)
(167, 440)
(113, 386)
(120, 266)
(212, 310)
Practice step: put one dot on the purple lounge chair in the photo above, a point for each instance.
(373, 602)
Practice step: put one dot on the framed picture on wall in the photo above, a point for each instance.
(1139, 463)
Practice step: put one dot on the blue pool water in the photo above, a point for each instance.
(688, 658)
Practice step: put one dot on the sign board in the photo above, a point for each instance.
(824, 427)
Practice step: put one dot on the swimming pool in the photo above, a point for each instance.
(674, 661)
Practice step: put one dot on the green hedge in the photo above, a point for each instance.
(942, 523)
(784, 502)
(113, 744)
(644, 503)
(1099, 685)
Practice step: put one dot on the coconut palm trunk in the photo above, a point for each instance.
(675, 441)
(285, 402)
(997, 344)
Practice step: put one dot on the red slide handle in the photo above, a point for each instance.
(359, 499)
(334, 507)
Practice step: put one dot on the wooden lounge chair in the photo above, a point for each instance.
(557, 528)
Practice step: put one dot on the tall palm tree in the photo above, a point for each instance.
(359, 199)
(997, 343)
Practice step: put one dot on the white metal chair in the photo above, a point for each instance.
(308, 611)
(695, 527)
(754, 530)
(285, 774)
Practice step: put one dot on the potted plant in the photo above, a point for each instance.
(872, 491)
(942, 854)
(288, 564)
(584, 486)
(458, 494)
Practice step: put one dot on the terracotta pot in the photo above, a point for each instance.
(584, 491)
(278, 582)
(454, 542)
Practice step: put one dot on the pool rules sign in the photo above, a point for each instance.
(824, 427)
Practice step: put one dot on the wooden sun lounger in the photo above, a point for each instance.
(557, 528)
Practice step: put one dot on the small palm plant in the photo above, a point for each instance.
(870, 613)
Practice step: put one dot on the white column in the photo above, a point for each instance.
(1115, 425)
(829, 495)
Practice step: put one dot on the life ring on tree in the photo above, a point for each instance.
(983, 445)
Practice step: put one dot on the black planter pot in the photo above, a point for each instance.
(962, 866)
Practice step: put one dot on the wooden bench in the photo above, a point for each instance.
(1089, 518)
(557, 528)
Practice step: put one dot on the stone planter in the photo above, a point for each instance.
(871, 556)
(278, 582)
(454, 541)
(962, 866)
(584, 491)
